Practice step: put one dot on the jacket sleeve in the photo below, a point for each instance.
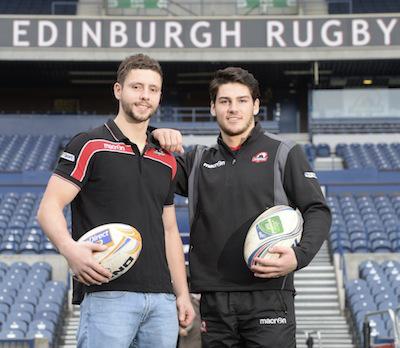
(304, 192)
(184, 166)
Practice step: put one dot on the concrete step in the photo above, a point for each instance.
(312, 283)
(326, 340)
(301, 344)
(317, 268)
(323, 319)
(316, 290)
(319, 276)
(314, 312)
(315, 305)
(316, 297)
(334, 345)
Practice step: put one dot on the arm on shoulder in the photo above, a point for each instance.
(169, 139)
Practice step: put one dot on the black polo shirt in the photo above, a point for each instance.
(120, 185)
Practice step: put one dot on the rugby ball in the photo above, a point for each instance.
(280, 225)
(124, 245)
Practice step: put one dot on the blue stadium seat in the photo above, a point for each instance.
(41, 267)
(30, 298)
(341, 246)
(36, 333)
(11, 334)
(360, 246)
(20, 315)
(48, 307)
(6, 298)
(381, 246)
(323, 150)
(29, 248)
(357, 236)
(12, 324)
(46, 315)
(12, 237)
(23, 307)
(43, 324)
(19, 267)
(8, 248)
(47, 247)
(42, 277)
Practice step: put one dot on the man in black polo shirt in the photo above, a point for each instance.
(115, 174)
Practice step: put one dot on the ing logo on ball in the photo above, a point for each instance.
(268, 227)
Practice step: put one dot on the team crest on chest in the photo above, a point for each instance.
(260, 157)
(159, 152)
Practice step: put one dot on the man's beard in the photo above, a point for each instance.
(233, 133)
(128, 111)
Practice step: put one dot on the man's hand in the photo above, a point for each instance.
(169, 139)
(275, 268)
(85, 268)
(186, 313)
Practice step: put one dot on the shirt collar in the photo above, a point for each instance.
(255, 132)
(117, 134)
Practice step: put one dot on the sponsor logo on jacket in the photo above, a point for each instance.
(260, 157)
(214, 165)
(310, 175)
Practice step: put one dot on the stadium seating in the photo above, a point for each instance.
(28, 152)
(362, 6)
(365, 223)
(38, 7)
(31, 305)
(19, 230)
(375, 290)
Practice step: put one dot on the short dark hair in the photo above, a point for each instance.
(234, 75)
(137, 61)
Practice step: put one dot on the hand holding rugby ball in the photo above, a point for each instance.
(124, 244)
(280, 225)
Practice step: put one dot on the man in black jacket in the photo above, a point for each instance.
(229, 185)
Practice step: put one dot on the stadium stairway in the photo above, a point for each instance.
(70, 328)
(317, 305)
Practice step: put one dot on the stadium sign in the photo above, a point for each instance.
(184, 38)
(212, 33)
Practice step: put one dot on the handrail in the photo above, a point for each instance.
(395, 321)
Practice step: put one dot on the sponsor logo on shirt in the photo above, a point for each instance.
(116, 147)
(310, 175)
(214, 165)
(273, 321)
(68, 156)
(260, 157)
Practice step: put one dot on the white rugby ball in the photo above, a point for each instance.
(124, 245)
(280, 225)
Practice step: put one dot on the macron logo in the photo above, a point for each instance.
(214, 165)
(273, 321)
(116, 147)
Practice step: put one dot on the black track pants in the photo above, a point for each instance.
(249, 319)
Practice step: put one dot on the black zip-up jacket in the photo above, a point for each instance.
(229, 190)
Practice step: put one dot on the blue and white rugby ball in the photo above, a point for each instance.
(124, 245)
(280, 225)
